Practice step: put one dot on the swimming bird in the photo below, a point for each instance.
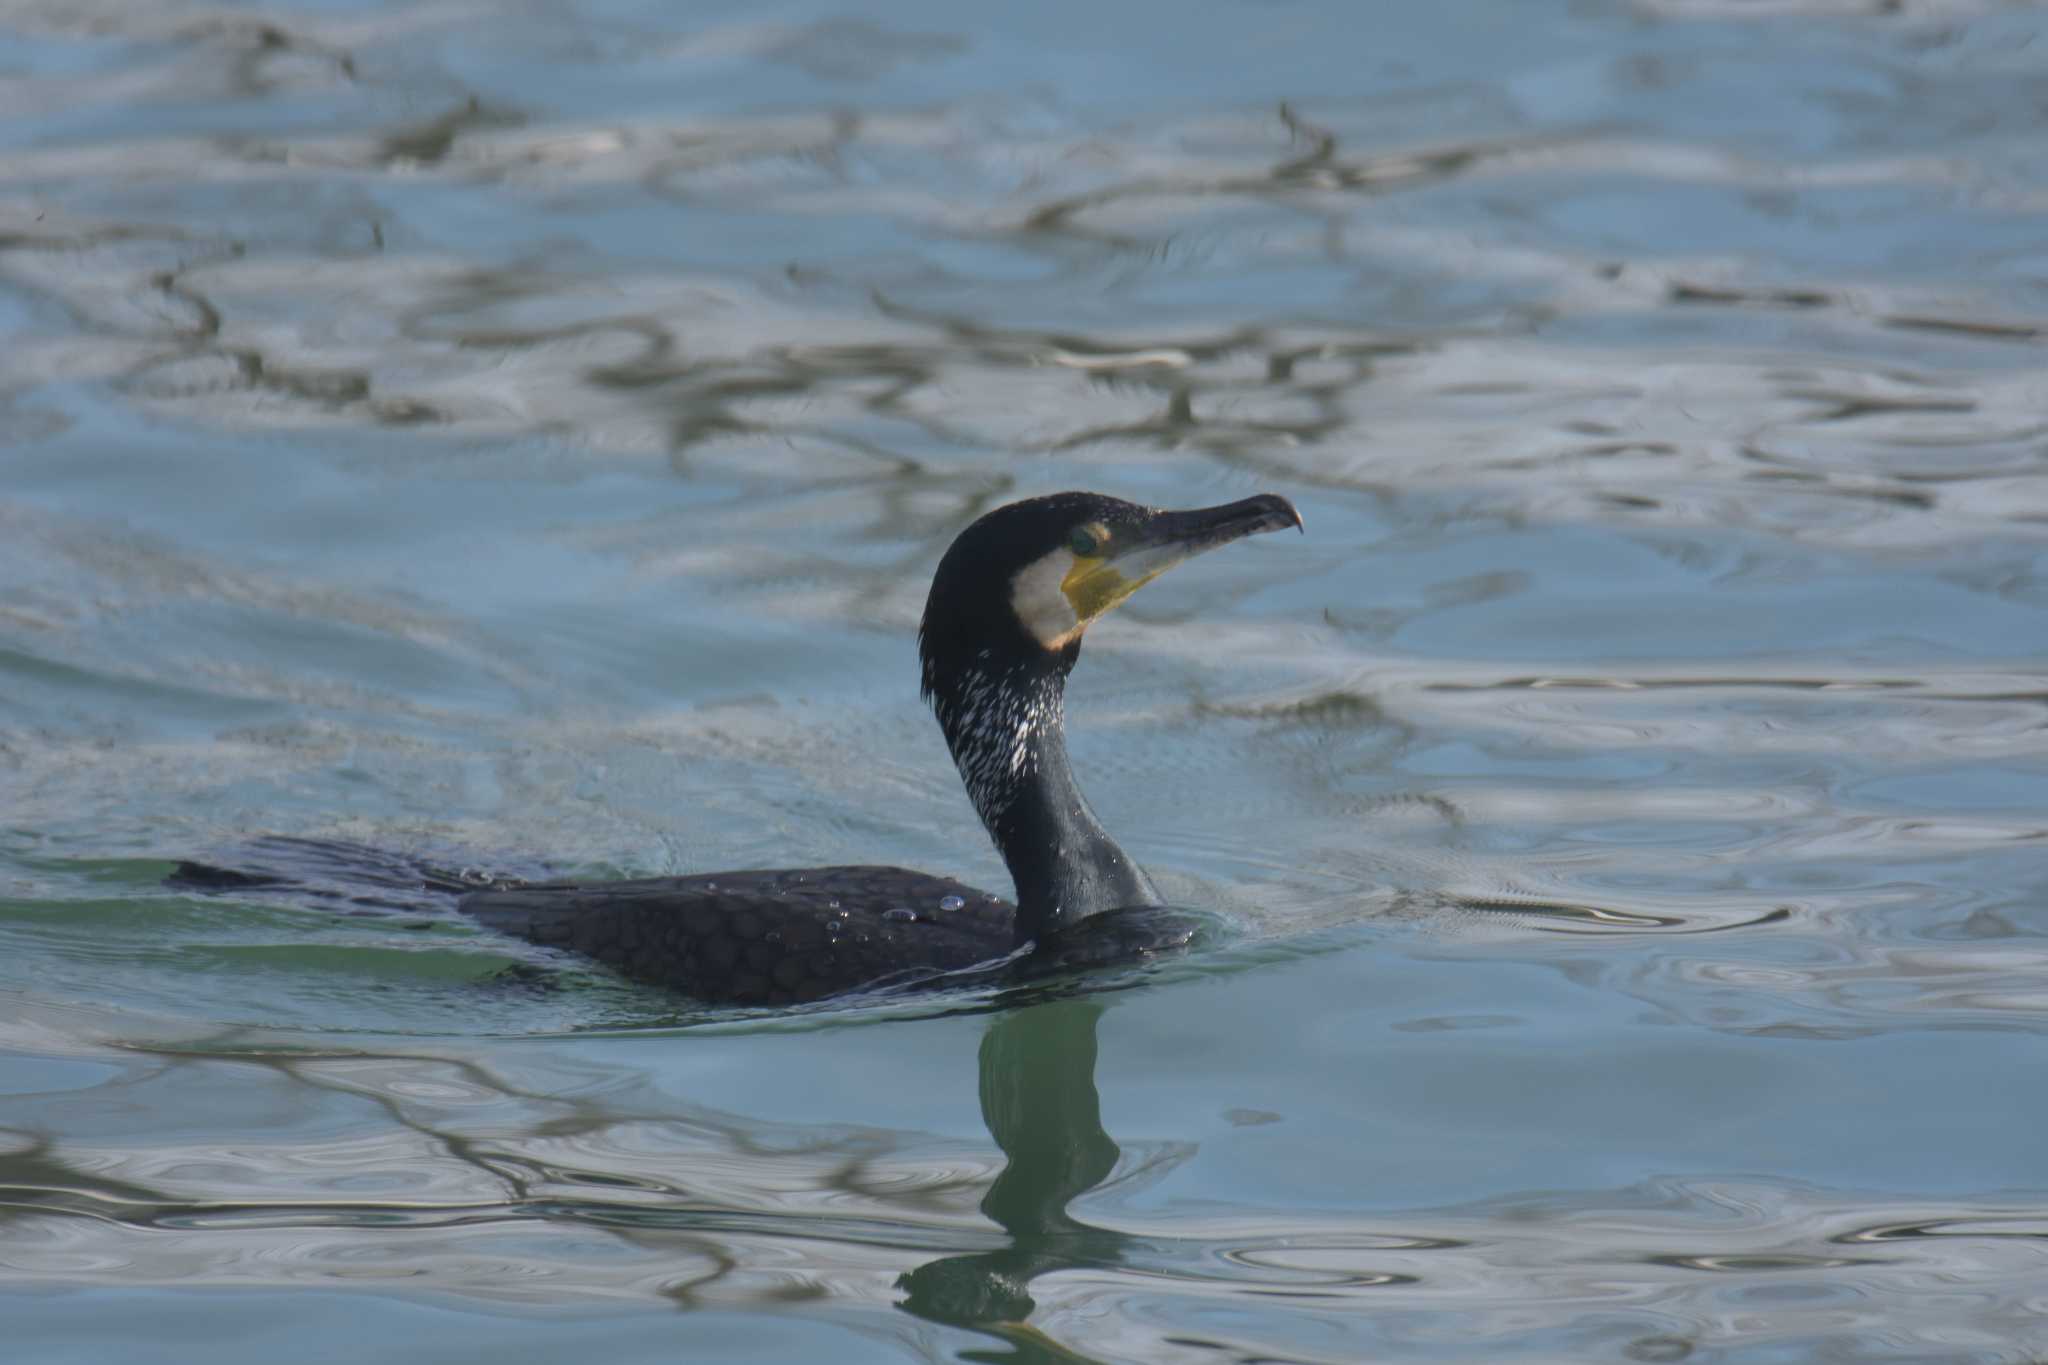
(1002, 629)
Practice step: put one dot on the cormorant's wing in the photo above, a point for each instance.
(762, 938)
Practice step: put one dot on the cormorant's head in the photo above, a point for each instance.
(1026, 579)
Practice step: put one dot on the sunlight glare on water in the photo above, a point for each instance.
(524, 435)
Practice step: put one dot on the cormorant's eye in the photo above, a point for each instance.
(1083, 541)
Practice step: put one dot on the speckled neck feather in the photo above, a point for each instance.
(1004, 718)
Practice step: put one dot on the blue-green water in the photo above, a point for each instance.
(527, 431)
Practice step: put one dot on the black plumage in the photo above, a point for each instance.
(763, 938)
(1001, 630)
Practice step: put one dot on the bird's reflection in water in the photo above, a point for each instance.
(1038, 1099)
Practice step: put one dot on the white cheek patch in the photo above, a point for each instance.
(1040, 602)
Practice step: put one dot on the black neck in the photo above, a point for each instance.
(1007, 731)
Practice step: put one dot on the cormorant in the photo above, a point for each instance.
(1002, 628)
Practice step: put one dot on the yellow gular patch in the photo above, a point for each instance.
(1092, 586)
(1057, 596)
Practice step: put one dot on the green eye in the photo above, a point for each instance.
(1083, 541)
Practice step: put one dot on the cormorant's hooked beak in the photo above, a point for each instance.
(1127, 557)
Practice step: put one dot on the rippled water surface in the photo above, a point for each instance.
(524, 432)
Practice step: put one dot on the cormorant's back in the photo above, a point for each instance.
(762, 938)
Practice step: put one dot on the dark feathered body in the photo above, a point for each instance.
(763, 938)
(725, 938)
